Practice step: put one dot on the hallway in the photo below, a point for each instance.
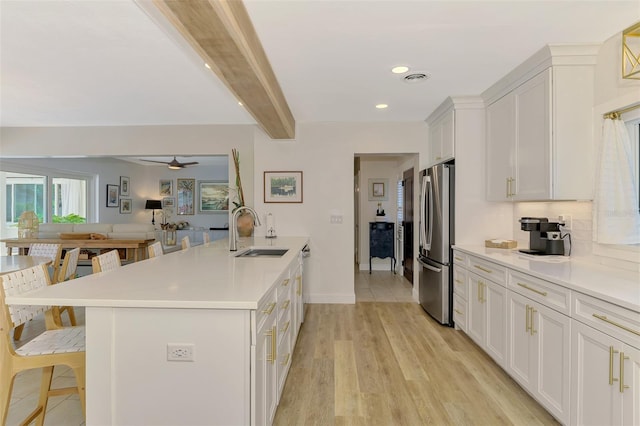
(382, 286)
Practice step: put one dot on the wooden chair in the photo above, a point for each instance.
(185, 242)
(106, 262)
(155, 249)
(205, 238)
(67, 272)
(56, 346)
(53, 252)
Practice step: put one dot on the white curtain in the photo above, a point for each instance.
(616, 216)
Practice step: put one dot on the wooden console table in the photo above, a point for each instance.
(139, 247)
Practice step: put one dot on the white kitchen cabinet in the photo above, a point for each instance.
(298, 310)
(285, 330)
(539, 124)
(460, 296)
(606, 363)
(487, 316)
(442, 137)
(539, 353)
(264, 378)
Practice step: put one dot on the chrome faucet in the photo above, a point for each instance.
(233, 236)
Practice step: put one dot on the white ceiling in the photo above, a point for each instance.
(80, 63)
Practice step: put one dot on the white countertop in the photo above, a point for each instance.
(203, 277)
(611, 284)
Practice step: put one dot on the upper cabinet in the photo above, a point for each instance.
(539, 128)
(447, 123)
(441, 137)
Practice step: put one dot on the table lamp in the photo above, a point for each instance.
(153, 205)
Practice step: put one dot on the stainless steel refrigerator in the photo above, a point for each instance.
(436, 226)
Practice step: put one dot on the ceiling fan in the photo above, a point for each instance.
(173, 164)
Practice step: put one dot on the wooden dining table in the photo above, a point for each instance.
(16, 263)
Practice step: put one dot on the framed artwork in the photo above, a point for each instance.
(378, 189)
(124, 186)
(166, 187)
(282, 187)
(213, 196)
(112, 195)
(125, 205)
(168, 202)
(185, 189)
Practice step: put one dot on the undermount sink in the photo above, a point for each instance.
(263, 252)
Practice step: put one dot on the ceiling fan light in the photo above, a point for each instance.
(173, 167)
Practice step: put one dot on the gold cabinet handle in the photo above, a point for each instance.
(479, 291)
(268, 311)
(285, 282)
(459, 281)
(605, 319)
(458, 258)
(611, 352)
(533, 311)
(285, 305)
(458, 312)
(272, 333)
(622, 385)
(488, 271)
(299, 290)
(286, 327)
(508, 187)
(286, 359)
(541, 293)
(527, 325)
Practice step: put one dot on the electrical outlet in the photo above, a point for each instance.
(566, 218)
(180, 351)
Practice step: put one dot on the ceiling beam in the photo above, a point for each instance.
(223, 35)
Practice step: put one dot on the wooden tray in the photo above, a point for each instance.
(74, 236)
(503, 244)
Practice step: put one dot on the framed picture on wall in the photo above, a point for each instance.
(168, 202)
(124, 186)
(125, 205)
(282, 187)
(378, 189)
(213, 196)
(112, 195)
(166, 187)
(185, 189)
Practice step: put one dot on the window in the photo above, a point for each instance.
(65, 201)
(632, 121)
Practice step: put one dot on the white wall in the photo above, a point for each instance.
(325, 152)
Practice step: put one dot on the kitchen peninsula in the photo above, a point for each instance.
(231, 323)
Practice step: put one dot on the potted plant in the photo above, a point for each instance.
(245, 220)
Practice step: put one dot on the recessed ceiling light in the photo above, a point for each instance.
(207, 65)
(240, 103)
(400, 69)
(382, 106)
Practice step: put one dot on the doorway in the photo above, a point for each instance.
(407, 224)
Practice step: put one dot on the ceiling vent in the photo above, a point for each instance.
(417, 77)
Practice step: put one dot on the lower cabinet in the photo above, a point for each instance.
(263, 358)
(606, 379)
(487, 316)
(539, 353)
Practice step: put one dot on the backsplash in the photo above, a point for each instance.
(581, 229)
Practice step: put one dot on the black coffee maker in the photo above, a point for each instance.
(544, 236)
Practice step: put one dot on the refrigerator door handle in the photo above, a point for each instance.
(430, 227)
(423, 234)
(429, 267)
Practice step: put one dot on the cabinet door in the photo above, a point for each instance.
(533, 139)
(520, 364)
(495, 297)
(500, 146)
(631, 395)
(448, 136)
(435, 143)
(595, 388)
(265, 385)
(551, 333)
(476, 321)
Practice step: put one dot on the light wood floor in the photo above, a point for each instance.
(377, 363)
(372, 363)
